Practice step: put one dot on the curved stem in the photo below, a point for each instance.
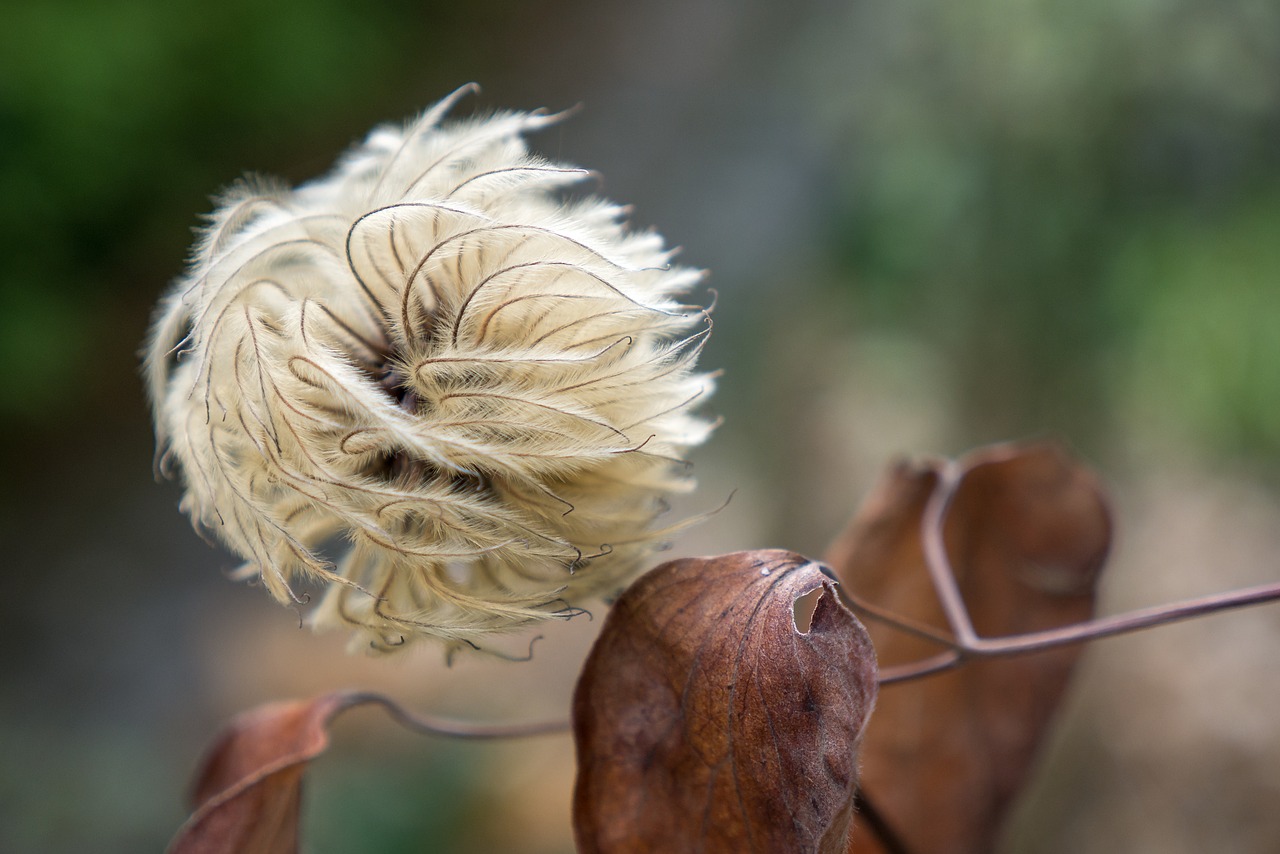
(1131, 621)
(1103, 627)
(966, 644)
(935, 552)
(446, 728)
(884, 615)
(943, 661)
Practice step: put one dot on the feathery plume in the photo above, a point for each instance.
(481, 387)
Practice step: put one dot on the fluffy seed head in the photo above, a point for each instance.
(430, 382)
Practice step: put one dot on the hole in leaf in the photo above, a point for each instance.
(804, 607)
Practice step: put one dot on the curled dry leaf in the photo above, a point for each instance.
(1026, 533)
(248, 791)
(705, 720)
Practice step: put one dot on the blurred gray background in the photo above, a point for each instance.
(932, 225)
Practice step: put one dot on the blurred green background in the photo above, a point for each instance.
(931, 225)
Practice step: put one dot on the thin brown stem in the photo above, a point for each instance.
(943, 661)
(446, 728)
(1131, 621)
(935, 553)
(965, 643)
(921, 630)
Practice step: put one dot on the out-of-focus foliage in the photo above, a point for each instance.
(933, 225)
(1073, 198)
(1203, 299)
(114, 123)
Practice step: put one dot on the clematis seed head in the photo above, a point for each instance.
(431, 382)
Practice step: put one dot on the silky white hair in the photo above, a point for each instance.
(482, 387)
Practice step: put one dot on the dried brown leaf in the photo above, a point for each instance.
(248, 791)
(706, 721)
(1027, 533)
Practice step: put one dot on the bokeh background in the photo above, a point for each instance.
(932, 225)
